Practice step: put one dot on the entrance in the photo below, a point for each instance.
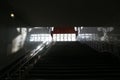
(64, 34)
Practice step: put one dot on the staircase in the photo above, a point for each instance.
(74, 60)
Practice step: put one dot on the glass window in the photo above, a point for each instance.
(64, 37)
(69, 37)
(73, 37)
(40, 37)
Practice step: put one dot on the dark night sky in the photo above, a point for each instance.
(66, 12)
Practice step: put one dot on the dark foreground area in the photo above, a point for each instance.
(73, 60)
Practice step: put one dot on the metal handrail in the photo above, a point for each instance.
(27, 58)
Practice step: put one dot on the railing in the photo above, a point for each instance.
(16, 70)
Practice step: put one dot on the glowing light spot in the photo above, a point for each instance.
(12, 15)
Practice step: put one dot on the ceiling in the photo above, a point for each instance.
(61, 12)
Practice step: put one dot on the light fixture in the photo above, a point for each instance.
(52, 28)
(81, 27)
(18, 29)
(12, 15)
(75, 28)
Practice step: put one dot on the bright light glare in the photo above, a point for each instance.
(87, 37)
(81, 27)
(52, 28)
(18, 29)
(40, 37)
(12, 15)
(64, 37)
(56, 37)
(75, 28)
(73, 37)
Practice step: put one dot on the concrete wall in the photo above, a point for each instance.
(10, 39)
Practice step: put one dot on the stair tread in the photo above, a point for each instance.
(75, 60)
